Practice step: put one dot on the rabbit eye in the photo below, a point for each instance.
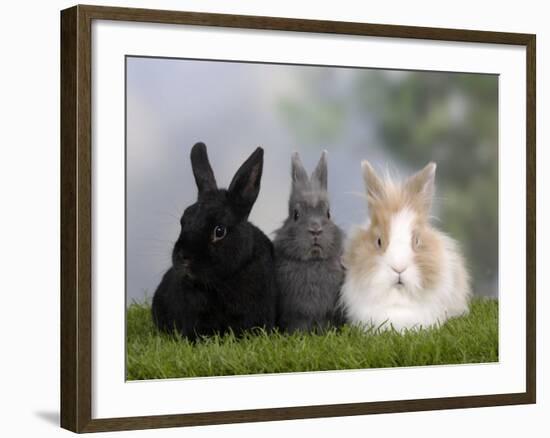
(328, 214)
(296, 215)
(219, 233)
(379, 242)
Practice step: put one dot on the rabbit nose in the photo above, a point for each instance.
(315, 230)
(183, 260)
(399, 270)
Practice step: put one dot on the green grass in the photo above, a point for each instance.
(151, 355)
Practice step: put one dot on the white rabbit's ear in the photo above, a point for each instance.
(298, 173)
(373, 184)
(319, 177)
(422, 185)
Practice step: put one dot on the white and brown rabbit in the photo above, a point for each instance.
(308, 251)
(401, 271)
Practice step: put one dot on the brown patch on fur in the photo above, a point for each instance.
(391, 201)
(429, 255)
(358, 257)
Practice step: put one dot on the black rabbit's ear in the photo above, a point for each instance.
(245, 185)
(204, 177)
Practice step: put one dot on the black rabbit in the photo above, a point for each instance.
(222, 266)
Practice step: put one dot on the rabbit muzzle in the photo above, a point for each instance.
(182, 261)
(183, 266)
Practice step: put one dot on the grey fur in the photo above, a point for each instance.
(308, 251)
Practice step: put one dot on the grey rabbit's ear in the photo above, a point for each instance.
(422, 185)
(299, 174)
(204, 177)
(319, 177)
(245, 185)
(373, 184)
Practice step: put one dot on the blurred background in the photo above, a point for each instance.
(399, 120)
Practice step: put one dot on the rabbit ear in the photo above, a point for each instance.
(319, 177)
(204, 177)
(299, 174)
(245, 185)
(422, 185)
(373, 184)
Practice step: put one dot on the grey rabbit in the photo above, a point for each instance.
(308, 251)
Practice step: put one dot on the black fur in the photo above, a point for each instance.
(227, 284)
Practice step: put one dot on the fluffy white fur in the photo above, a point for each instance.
(371, 295)
(376, 301)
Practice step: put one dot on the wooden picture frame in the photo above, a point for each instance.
(76, 217)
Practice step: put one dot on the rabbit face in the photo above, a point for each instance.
(212, 241)
(399, 251)
(215, 238)
(393, 242)
(310, 227)
(309, 232)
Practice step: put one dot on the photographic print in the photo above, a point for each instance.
(285, 218)
(268, 218)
